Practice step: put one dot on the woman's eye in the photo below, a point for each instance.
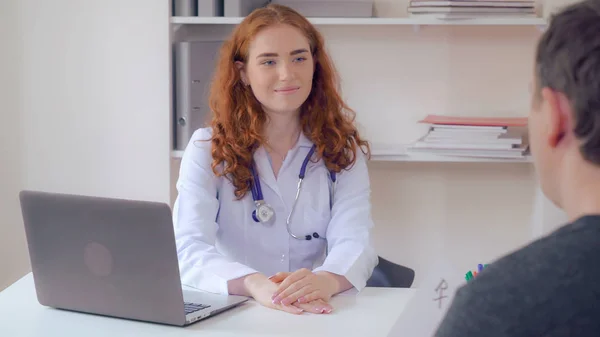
(300, 59)
(269, 63)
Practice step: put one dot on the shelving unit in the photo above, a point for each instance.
(526, 21)
(383, 153)
(399, 154)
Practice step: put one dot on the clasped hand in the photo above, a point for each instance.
(294, 292)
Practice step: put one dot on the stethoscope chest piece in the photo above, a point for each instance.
(263, 212)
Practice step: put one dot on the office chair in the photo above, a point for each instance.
(390, 275)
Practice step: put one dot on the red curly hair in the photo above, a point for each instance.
(238, 118)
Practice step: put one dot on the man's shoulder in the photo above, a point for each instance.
(549, 259)
(570, 244)
(543, 283)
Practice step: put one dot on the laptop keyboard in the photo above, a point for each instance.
(193, 307)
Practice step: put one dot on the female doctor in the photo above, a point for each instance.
(278, 185)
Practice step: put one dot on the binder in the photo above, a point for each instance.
(184, 7)
(194, 66)
(241, 8)
(209, 8)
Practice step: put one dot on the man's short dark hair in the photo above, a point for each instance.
(568, 61)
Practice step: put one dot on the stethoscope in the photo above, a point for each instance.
(264, 212)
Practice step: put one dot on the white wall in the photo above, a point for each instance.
(96, 103)
(469, 213)
(93, 110)
(13, 252)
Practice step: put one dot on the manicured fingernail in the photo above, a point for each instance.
(276, 300)
(286, 302)
(328, 311)
(301, 300)
(271, 277)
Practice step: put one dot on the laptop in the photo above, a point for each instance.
(111, 257)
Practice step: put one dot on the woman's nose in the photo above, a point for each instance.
(286, 72)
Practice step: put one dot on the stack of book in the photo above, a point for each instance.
(471, 8)
(474, 137)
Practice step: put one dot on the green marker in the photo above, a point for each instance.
(469, 276)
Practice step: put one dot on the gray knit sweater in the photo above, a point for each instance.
(548, 288)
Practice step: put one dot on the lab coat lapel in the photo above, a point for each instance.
(265, 171)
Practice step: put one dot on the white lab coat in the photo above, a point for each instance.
(217, 239)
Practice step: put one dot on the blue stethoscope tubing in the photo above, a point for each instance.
(264, 212)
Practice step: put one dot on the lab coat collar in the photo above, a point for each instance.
(263, 165)
(265, 171)
(303, 141)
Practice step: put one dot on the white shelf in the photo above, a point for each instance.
(432, 158)
(508, 21)
(383, 155)
(388, 153)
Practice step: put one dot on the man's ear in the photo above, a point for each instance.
(241, 68)
(557, 118)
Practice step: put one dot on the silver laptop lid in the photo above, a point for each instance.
(105, 256)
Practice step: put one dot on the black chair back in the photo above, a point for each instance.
(390, 275)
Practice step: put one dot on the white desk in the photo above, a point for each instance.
(370, 313)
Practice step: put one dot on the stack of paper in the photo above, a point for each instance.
(471, 8)
(473, 137)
